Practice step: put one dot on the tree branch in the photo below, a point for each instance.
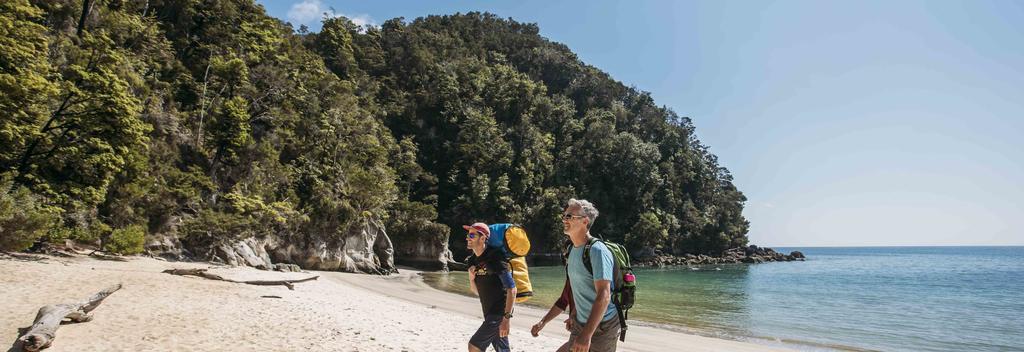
(203, 274)
(48, 319)
(86, 8)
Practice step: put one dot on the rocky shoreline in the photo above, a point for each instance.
(750, 255)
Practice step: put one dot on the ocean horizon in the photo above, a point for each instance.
(870, 298)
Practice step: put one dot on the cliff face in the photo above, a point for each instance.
(430, 253)
(367, 249)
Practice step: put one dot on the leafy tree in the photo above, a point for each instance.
(24, 79)
(212, 121)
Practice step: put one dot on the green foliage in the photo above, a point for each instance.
(334, 44)
(413, 221)
(24, 218)
(212, 227)
(230, 131)
(214, 116)
(92, 130)
(24, 81)
(94, 233)
(128, 240)
(512, 125)
(648, 231)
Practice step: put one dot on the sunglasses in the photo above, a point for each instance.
(474, 234)
(568, 217)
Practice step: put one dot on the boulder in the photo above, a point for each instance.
(750, 250)
(165, 246)
(287, 267)
(250, 251)
(797, 254)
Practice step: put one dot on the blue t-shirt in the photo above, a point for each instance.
(583, 291)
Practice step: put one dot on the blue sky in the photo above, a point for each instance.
(844, 122)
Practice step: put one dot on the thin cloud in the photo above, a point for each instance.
(309, 11)
(362, 20)
(305, 11)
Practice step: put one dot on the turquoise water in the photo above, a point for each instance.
(878, 298)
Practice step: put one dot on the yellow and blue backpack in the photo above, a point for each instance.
(513, 244)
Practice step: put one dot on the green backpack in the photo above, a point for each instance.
(624, 291)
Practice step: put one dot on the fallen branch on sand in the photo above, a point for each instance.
(101, 256)
(44, 328)
(203, 274)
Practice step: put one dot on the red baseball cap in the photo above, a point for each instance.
(481, 227)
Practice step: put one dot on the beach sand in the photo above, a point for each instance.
(337, 312)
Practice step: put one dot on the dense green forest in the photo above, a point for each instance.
(210, 121)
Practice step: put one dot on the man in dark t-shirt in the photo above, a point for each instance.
(491, 279)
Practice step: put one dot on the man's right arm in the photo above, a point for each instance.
(472, 280)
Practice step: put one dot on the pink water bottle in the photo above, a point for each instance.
(629, 277)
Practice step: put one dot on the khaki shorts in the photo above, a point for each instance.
(605, 338)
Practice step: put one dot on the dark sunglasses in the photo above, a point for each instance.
(473, 235)
(568, 217)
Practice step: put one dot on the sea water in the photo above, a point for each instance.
(864, 298)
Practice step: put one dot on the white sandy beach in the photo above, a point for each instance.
(338, 312)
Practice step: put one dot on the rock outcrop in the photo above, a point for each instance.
(366, 249)
(165, 246)
(430, 252)
(251, 251)
(750, 254)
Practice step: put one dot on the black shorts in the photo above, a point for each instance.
(487, 334)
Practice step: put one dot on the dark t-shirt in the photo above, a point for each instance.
(489, 286)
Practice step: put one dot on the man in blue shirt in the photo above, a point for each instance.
(596, 322)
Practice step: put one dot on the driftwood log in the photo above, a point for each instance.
(290, 284)
(44, 328)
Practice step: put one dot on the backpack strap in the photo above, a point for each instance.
(615, 275)
(622, 323)
(623, 315)
(586, 255)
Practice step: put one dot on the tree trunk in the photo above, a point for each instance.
(44, 328)
(86, 7)
(203, 274)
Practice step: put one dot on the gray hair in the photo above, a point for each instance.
(588, 209)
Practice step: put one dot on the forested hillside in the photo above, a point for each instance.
(209, 122)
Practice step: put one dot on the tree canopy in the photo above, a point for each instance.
(211, 121)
